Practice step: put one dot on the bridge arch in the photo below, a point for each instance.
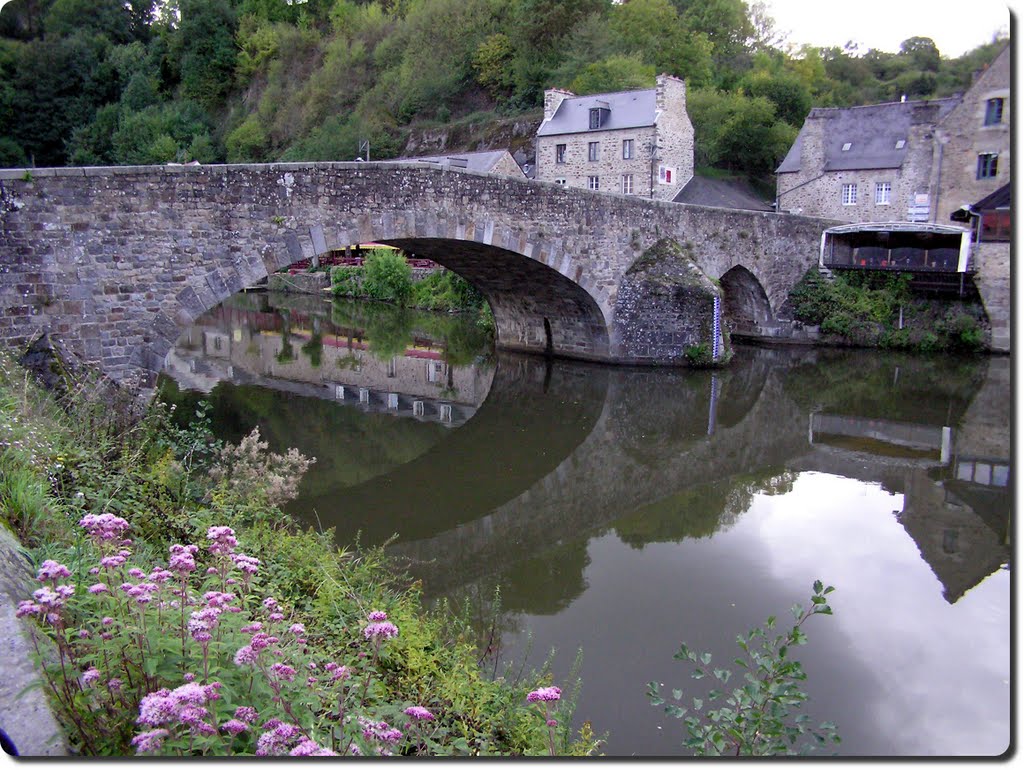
(745, 303)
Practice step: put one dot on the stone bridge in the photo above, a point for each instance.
(116, 262)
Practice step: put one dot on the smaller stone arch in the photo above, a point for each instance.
(745, 304)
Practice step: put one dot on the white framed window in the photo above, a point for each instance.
(883, 193)
(559, 153)
(593, 150)
(627, 149)
(847, 146)
(594, 182)
(901, 143)
(849, 194)
(988, 165)
(666, 174)
(627, 184)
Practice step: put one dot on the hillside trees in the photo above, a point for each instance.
(106, 81)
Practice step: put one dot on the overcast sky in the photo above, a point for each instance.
(956, 26)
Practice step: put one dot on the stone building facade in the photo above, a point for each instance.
(902, 161)
(975, 141)
(629, 142)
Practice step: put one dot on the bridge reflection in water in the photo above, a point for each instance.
(551, 456)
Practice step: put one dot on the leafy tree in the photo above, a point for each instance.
(206, 48)
(792, 99)
(922, 52)
(652, 29)
(492, 62)
(727, 26)
(738, 132)
(616, 73)
(110, 18)
(248, 142)
(11, 154)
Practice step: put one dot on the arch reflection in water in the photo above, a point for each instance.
(558, 465)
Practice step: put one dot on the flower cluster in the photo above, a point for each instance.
(544, 694)
(184, 706)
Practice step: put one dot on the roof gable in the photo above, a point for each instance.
(873, 134)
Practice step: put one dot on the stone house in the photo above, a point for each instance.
(629, 142)
(914, 161)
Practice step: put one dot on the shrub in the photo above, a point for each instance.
(756, 718)
(346, 281)
(446, 291)
(387, 276)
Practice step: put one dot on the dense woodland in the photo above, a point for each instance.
(86, 82)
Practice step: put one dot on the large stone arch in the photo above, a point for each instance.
(745, 303)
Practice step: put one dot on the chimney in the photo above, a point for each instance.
(812, 145)
(669, 90)
(553, 98)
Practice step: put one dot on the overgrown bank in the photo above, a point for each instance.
(872, 310)
(190, 616)
(386, 276)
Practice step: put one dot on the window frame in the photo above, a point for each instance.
(994, 109)
(595, 118)
(883, 193)
(593, 182)
(627, 184)
(560, 153)
(849, 194)
(627, 149)
(593, 152)
(988, 165)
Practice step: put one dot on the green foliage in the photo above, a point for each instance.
(445, 291)
(755, 718)
(616, 73)
(865, 308)
(171, 482)
(311, 80)
(387, 276)
(346, 281)
(698, 355)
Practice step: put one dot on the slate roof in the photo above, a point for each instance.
(473, 161)
(1000, 199)
(627, 109)
(721, 193)
(872, 132)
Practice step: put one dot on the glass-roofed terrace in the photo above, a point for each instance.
(901, 246)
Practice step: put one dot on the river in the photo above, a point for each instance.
(625, 511)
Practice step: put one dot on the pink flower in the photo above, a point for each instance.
(27, 607)
(297, 629)
(246, 655)
(383, 630)
(147, 743)
(90, 676)
(282, 671)
(51, 570)
(234, 727)
(377, 616)
(247, 714)
(107, 621)
(98, 588)
(104, 527)
(418, 712)
(544, 694)
(114, 685)
(223, 538)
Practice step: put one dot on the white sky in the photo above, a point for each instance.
(956, 26)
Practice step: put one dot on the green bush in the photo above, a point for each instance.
(447, 291)
(346, 281)
(387, 276)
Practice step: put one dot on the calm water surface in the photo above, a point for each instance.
(627, 511)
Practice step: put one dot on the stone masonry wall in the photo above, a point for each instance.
(674, 135)
(610, 165)
(117, 261)
(965, 135)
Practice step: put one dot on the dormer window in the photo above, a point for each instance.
(847, 146)
(901, 143)
(598, 116)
